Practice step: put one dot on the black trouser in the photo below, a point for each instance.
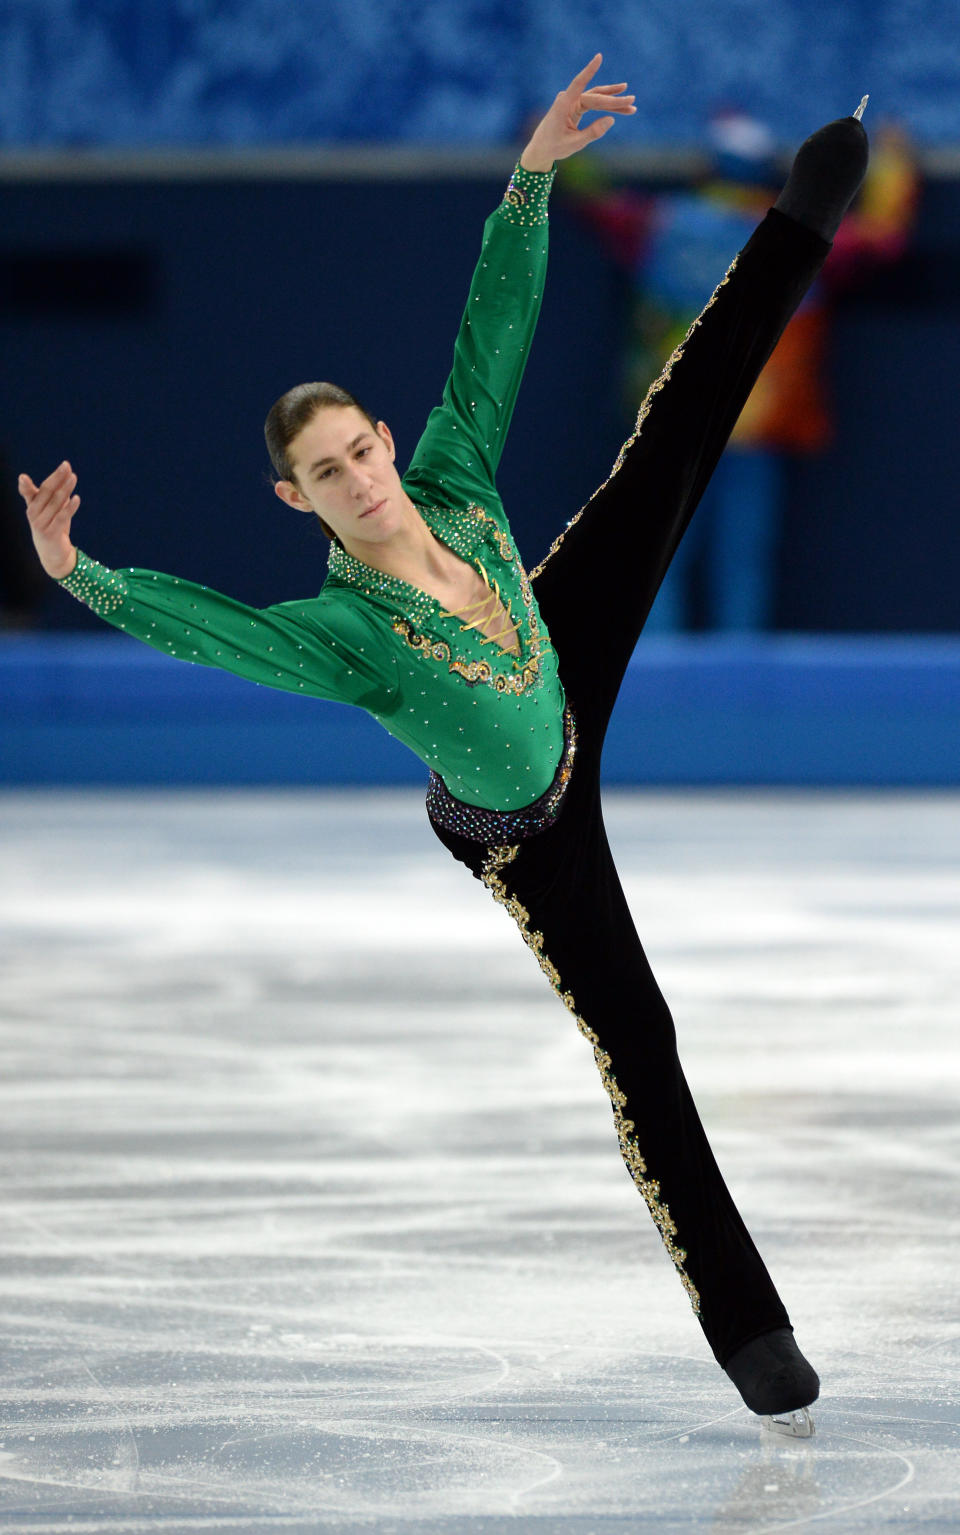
(595, 590)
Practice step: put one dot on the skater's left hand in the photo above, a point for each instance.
(559, 135)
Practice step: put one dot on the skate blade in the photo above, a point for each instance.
(858, 114)
(795, 1425)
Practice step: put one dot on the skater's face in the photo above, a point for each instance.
(345, 472)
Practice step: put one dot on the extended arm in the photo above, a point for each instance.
(313, 647)
(457, 456)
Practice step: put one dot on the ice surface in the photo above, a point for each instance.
(312, 1212)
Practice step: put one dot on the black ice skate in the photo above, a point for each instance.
(826, 175)
(776, 1382)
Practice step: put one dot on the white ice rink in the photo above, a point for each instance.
(312, 1212)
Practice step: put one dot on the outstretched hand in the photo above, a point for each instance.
(50, 509)
(559, 135)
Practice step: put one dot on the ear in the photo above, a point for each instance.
(383, 432)
(289, 493)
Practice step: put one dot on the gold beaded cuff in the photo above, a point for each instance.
(527, 195)
(101, 589)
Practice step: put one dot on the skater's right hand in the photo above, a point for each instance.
(50, 509)
(559, 135)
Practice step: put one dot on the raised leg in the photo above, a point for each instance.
(606, 568)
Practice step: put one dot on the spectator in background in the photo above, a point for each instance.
(672, 245)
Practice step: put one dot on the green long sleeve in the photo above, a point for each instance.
(457, 456)
(327, 649)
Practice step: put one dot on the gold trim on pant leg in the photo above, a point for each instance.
(642, 415)
(496, 860)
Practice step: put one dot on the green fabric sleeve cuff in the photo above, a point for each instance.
(101, 589)
(527, 195)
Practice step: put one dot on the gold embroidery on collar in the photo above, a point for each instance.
(503, 540)
(473, 672)
(526, 670)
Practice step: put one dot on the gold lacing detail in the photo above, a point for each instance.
(492, 601)
(522, 676)
(642, 415)
(497, 859)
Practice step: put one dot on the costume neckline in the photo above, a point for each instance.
(460, 529)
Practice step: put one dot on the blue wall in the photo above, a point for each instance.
(138, 72)
(99, 709)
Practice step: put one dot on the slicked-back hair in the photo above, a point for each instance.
(293, 411)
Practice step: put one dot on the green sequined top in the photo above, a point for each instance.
(488, 721)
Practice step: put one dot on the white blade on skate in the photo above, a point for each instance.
(797, 1425)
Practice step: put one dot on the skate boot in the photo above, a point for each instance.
(826, 175)
(776, 1382)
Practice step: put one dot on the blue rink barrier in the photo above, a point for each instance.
(698, 710)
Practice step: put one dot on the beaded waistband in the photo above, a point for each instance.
(498, 827)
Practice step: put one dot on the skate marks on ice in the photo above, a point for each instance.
(574, 1454)
(311, 1215)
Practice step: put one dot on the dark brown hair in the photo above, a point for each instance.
(295, 410)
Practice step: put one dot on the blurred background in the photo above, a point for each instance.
(204, 203)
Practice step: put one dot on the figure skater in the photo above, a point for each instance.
(503, 682)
